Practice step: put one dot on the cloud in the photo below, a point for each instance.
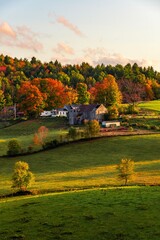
(63, 49)
(69, 25)
(100, 55)
(28, 39)
(95, 56)
(21, 37)
(5, 29)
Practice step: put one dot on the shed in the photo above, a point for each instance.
(111, 124)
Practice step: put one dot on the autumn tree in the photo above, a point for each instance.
(106, 92)
(53, 91)
(83, 94)
(149, 90)
(71, 95)
(2, 100)
(30, 99)
(40, 136)
(132, 92)
(22, 177)
(126, 170)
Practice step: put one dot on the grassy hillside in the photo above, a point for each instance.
(151, 105)
(114, 214)
(25, 130)
(88, 164)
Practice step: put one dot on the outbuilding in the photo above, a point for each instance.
(111, 124)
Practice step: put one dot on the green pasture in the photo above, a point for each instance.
(151, 105)
(89, 164)
(24, 131)
(113, 214)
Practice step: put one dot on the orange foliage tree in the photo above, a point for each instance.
(54, 92)
(106, 92)
(40, 136)
(30, 99)
(71, 95)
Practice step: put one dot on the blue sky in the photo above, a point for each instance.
(73, 31)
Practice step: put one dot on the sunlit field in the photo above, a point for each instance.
(24, 131)
(89, 164)
(151, 105)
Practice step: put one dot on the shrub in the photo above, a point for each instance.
(73, 133)
(14, 148)
(132, 109)
(50, 144)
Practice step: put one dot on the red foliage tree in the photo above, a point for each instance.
(132, 92)
(30, 99)
(53, 91)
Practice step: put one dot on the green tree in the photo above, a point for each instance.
(112, 113)
(83, 94)
(92, 128)
(22, 177)
(75, 78)
(126, 170)
(14, 147)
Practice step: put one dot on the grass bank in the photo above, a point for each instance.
(114, 214)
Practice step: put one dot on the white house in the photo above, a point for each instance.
(111, 124)
(45, 114)
(60, 112)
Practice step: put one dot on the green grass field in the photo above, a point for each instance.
(113, 214)
(89, 164)
(25, 131)
(151, 105)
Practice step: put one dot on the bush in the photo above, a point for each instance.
(50, 144)
(14, 148)
(112, 113)
(73, 133)
(132, 109)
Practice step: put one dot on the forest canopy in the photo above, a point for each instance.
(35, 86)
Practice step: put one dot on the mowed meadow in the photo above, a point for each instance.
(89, 164)
(114, 214)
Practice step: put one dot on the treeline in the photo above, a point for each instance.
(50, 85)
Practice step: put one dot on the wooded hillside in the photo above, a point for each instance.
(35, 86)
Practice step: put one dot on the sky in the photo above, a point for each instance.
(75, 31)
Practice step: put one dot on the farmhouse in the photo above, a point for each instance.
(78, 113)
